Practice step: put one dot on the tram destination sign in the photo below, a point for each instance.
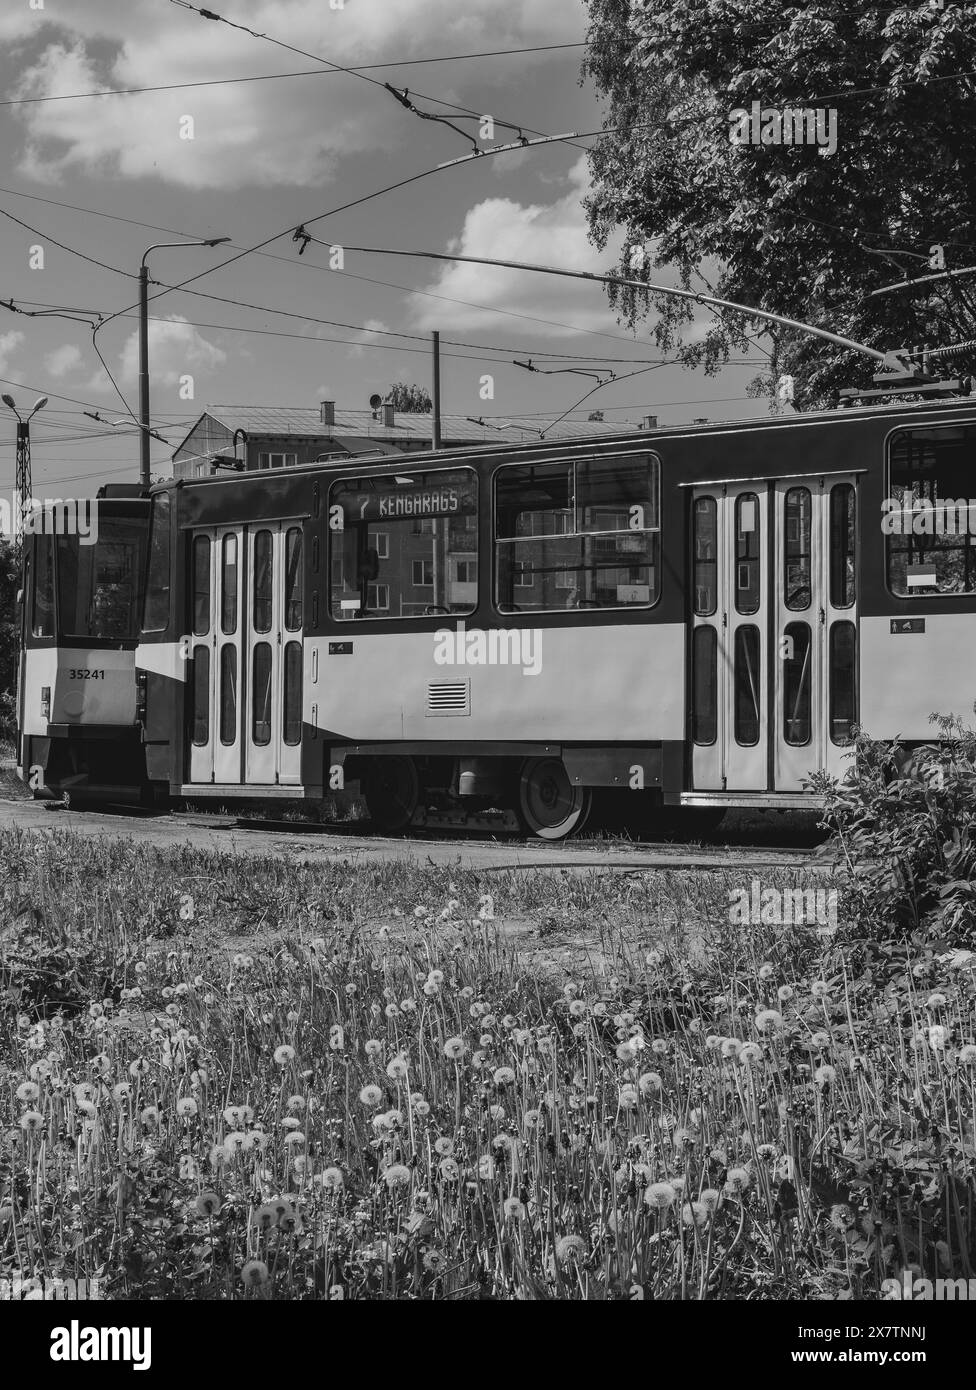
(409, 501)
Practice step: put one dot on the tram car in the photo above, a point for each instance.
(80, 615)
(692, 617)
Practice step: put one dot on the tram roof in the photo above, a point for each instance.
(607, 438)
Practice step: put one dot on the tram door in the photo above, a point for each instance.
(774, 632)
(247, 655)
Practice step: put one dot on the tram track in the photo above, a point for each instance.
(234, 834)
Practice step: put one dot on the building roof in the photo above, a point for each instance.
(306, 421)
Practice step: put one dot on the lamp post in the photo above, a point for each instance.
(144, 346)
(23, 484)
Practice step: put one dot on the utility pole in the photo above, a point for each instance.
(436, 390)
(23, 484)
(144, 421)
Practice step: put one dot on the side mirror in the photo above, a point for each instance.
(368, 566)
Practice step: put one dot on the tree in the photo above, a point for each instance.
(790, 228)
(9, 636)
(410, 400)
(595, 415)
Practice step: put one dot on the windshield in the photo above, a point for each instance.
(100, 586)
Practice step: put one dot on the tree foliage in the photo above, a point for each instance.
(410, 400)
(791, 228)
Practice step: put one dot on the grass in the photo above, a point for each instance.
(225, 1078)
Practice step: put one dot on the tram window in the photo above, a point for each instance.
(293, 579)
(397, 543)
(261, 695)
(706, 560)
(747, 553)
(292, 702)
(577, 535)
(843, 530)
(797, 518)
(156, 616)
(228, 585)
(228, 693)
(100, 586)
(747, 686)
(201, 585)
(42, 618)
(843, 684)
(704, 714)
(929, 513)
(797, 677)
(263, 552)
(201, 696)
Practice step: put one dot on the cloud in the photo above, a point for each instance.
(62, 360)
(9, 343)
(288, 132)
(176, 349)
(546, 233)
(373, 329)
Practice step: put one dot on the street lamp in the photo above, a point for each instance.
(144, 346)
(23, 484)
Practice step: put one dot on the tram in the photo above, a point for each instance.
(692, 617)
(80, 613)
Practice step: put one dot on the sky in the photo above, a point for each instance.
(93, 181)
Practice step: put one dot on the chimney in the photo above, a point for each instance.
(389, 420)
(649, 422)
(327, 412)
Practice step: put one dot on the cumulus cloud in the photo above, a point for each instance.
(546, 233)
(270, 133)
(62, 360)
(176, 349)
(373, 327)
(9, 343)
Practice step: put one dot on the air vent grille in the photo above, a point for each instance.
(448, 697)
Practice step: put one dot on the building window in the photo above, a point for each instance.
(589, 532)
(276, 460)
(379, 565)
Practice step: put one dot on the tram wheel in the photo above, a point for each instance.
(391, 789)
(550, 807)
